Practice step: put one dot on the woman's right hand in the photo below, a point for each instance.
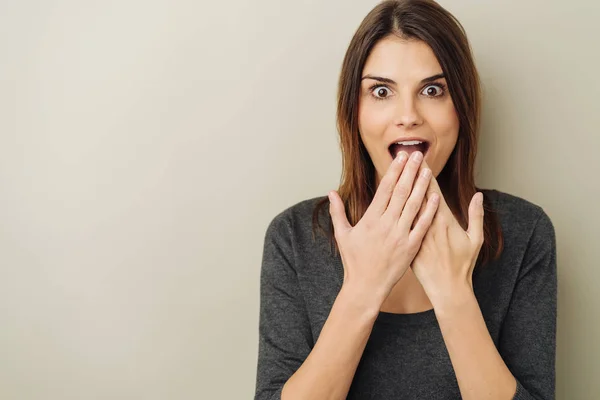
(378, 250)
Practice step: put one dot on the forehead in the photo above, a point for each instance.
(402, 60)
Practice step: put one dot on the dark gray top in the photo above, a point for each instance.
(405, 356)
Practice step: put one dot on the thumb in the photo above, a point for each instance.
(476, 213)
(338, 213)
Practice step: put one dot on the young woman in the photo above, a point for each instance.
(408, 282)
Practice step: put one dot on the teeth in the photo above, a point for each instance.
(409, 142)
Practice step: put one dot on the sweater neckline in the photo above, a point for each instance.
(384, 317)
(418, 318)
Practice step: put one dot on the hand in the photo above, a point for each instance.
(378, 250)
(445, 261)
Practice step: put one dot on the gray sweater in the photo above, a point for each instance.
(405, 356)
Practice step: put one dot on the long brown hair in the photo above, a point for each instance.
(427, 21)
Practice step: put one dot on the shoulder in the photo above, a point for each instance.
(295, 218)
(291, 233)
(517, 215)
(528, 231)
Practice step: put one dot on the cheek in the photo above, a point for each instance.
(372, 120)
(445, 123)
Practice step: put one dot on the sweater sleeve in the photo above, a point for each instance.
(528, 337)
(285, 337)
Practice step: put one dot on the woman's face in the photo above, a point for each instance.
(404, 97)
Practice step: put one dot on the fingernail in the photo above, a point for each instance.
(417, 156)
(480, 198)
(401, 157)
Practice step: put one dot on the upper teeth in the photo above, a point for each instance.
(409, 142)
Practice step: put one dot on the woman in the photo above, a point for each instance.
(409, 287)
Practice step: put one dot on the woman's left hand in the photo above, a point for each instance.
(445, 262)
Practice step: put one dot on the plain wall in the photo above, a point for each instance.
(146, 145)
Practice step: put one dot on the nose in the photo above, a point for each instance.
(407, 113)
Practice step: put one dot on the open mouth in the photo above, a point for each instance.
(408, 147)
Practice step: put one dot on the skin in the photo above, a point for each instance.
(406, 108)
(440, 274)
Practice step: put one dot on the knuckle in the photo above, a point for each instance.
(385, 188)
(413, 244)
(389, 187)
(339, 234)
(412, 206)
(393, 239)
(386, 225)
(402, 190)
(338, 237)
(368, 224)
(480, 240)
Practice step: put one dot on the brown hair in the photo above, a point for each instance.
(427, 21)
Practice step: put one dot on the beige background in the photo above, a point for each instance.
(145, 146)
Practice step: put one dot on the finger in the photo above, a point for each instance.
(414, 201)
(424, 202)
(424, 222)
(476, 214)
(434, 187)
(386, 186)
(338, 214)
(421, 211)
(404, 187)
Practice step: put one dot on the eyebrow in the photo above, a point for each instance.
(391, 81)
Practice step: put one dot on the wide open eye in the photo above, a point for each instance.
(436, 90)
(381, 92)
